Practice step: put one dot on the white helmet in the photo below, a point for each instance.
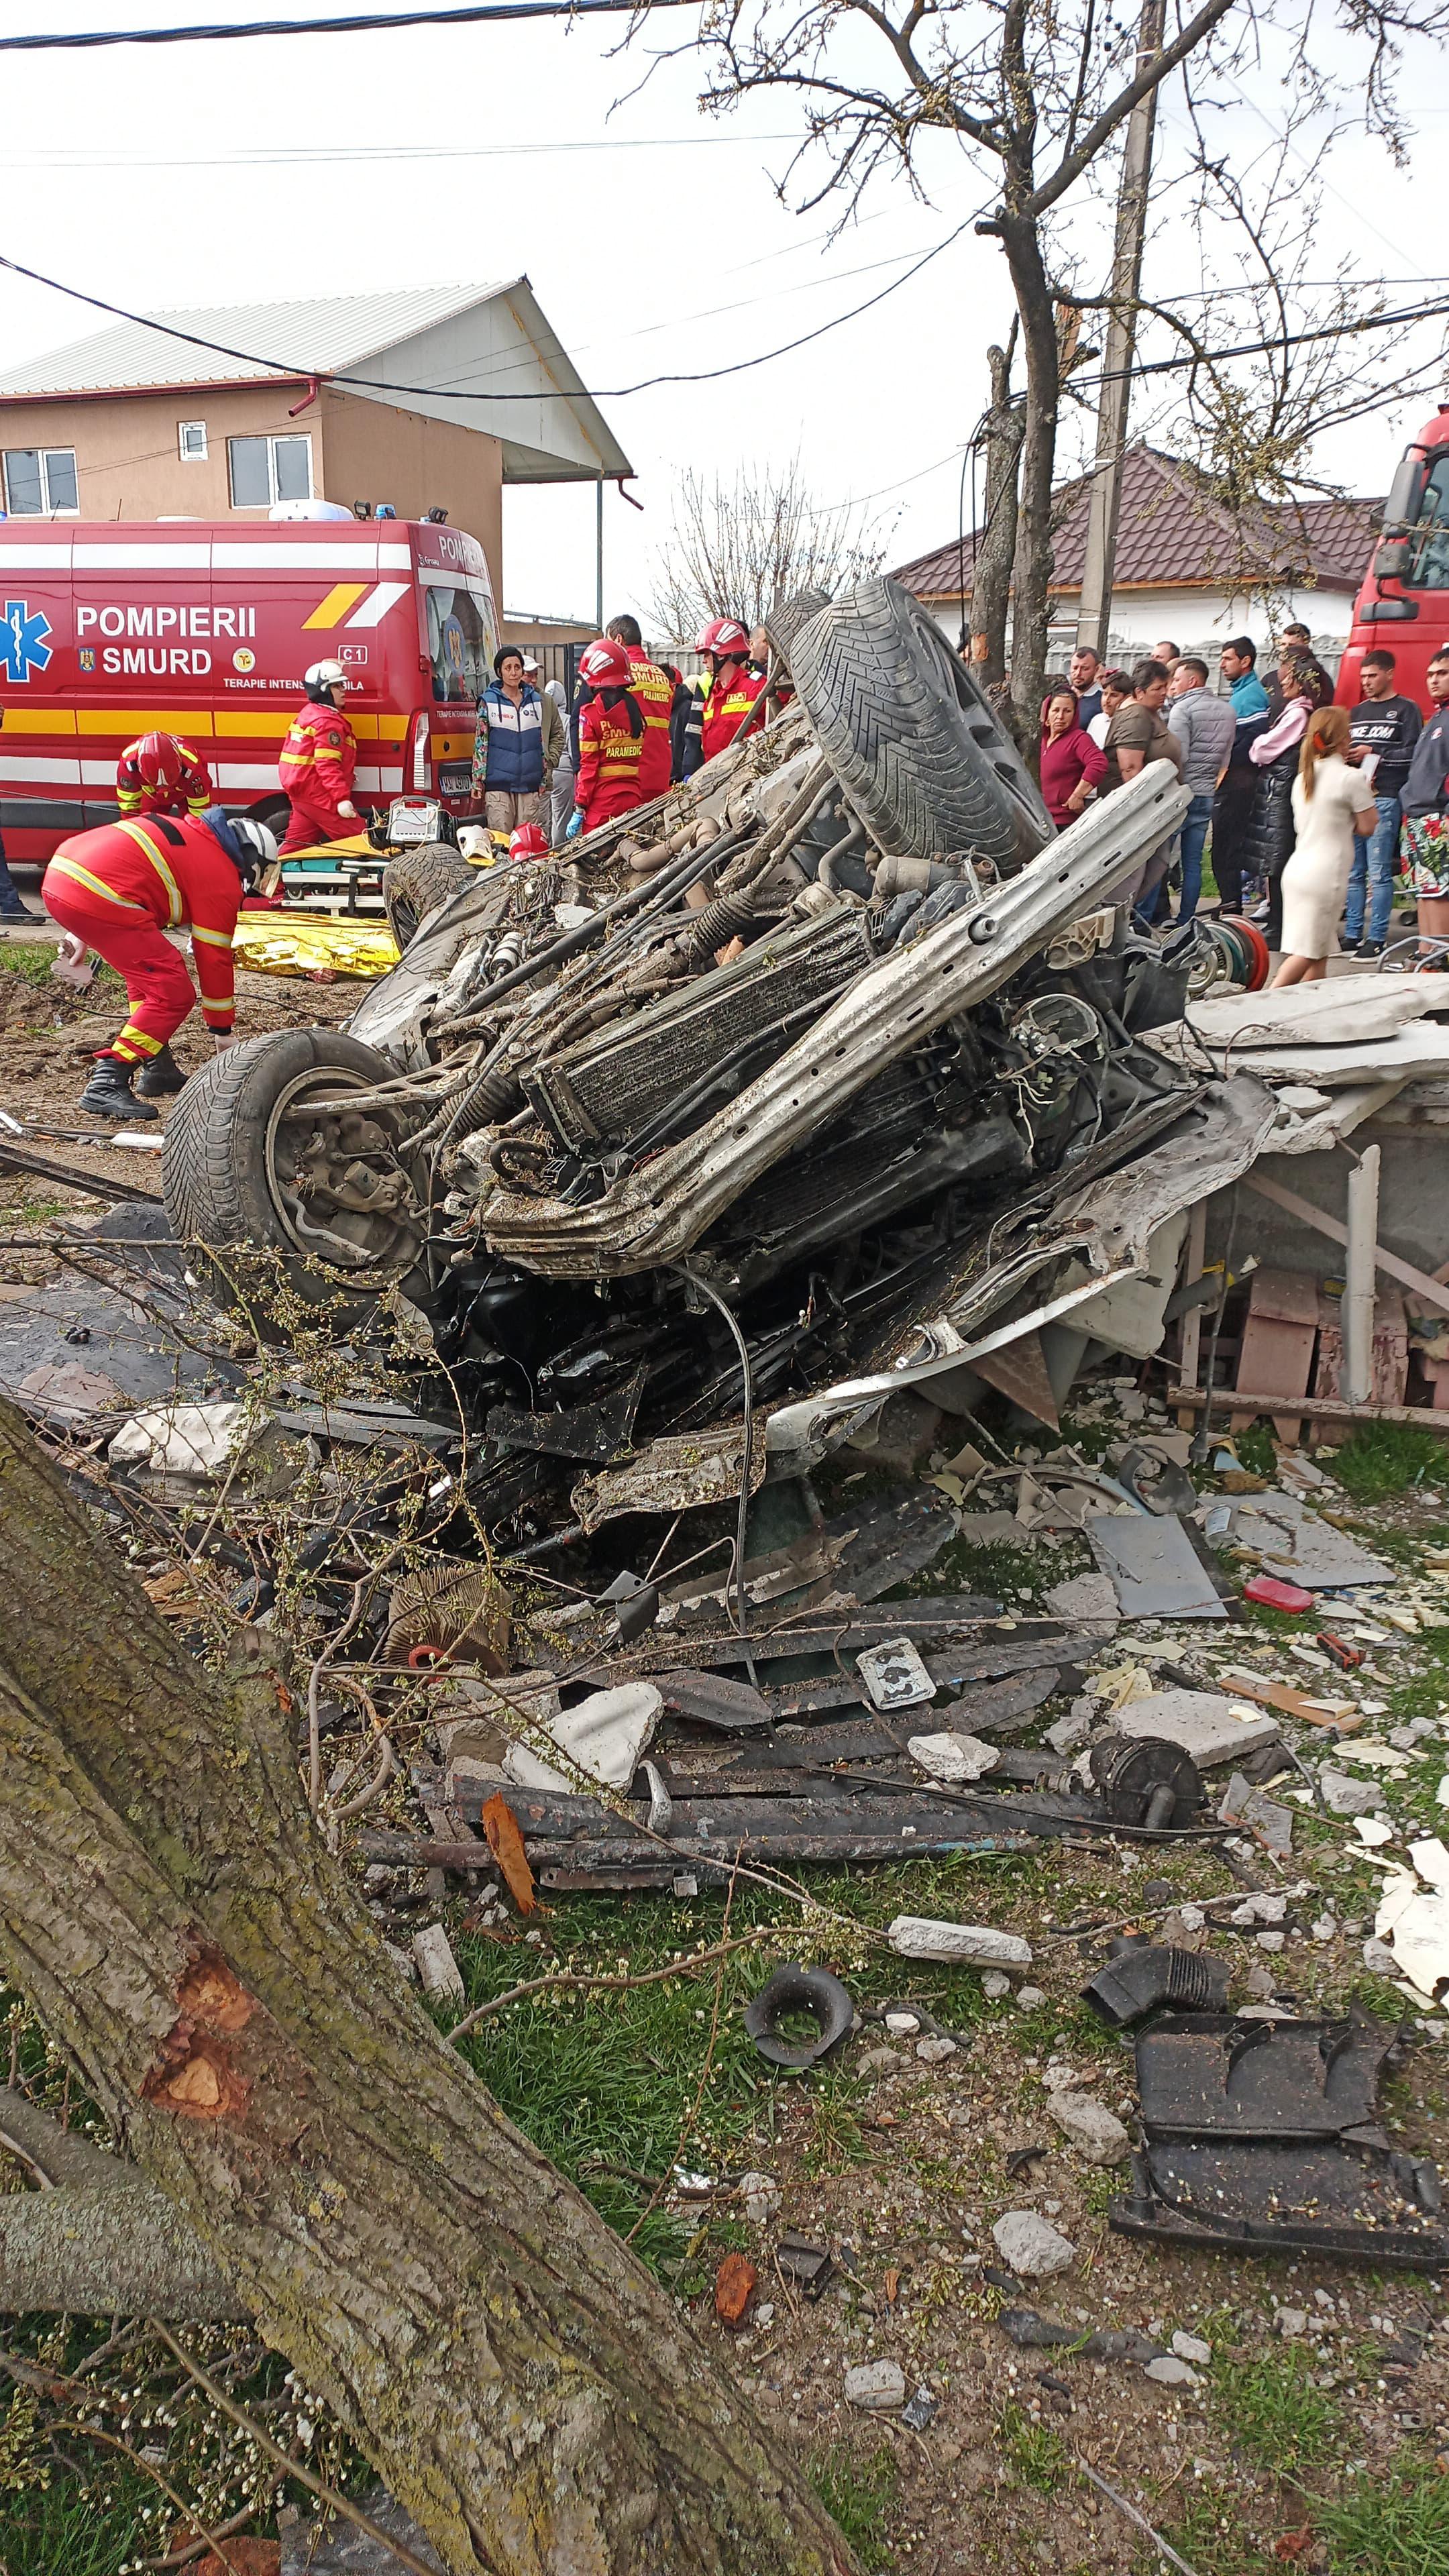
(323, 678)
(258, 838)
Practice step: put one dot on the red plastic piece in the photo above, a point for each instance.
(1270, 1594)
(1347, 1657)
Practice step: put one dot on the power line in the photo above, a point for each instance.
(346, 155)
(386, 385)
(494, 12)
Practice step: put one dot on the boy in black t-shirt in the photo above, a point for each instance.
(1383, 728)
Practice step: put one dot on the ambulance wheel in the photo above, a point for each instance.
(910, 737)
(417, 881)
(277, 1185)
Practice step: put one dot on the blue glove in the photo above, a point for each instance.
(576, 824)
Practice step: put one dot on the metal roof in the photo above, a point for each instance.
(458, 340)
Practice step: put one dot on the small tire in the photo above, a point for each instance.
(214, 1163)
(913, 742)
(416, 882)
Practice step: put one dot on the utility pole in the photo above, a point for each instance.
(1094, 615)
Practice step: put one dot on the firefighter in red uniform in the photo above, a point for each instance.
(118, 890)
(656, 685)
(159, 774)
(611, 740)
(724, 698)
(318, 760)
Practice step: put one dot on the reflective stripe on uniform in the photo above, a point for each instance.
(213, 938)
(133, 1042)
(138, 833)
(94, 885)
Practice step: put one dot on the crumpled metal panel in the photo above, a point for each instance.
(678, 1474)
(658, 1211)
(1099, 1235)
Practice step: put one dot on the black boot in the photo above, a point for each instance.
(108, 1093)
(158, 1079)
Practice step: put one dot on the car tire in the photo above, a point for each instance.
(214, 1163)
(416, 882)
(909, 735)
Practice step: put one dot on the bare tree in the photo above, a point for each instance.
(1037, 100)
(736, 547)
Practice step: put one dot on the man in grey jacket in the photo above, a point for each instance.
(1205, 727)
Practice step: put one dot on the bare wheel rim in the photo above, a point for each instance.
(348, 1171)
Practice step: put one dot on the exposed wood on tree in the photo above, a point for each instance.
(515, 2375)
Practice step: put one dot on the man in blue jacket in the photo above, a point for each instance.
(508, 750)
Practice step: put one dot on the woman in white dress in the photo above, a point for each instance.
(1330, 803)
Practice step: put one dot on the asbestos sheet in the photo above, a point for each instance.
(1406, 1053)
(1153, 1567)
(1295, 1543)
(1342, 1011)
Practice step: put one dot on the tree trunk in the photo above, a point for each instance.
(1032, 571)
(518, 2379)
(991, 575)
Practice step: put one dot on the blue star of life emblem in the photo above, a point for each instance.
(23, 647)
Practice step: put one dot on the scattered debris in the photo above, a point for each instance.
(1031, 2246)
(800, 1990)
(877, 2386)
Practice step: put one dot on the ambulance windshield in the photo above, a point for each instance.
(461, 644)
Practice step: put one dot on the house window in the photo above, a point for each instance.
(269, 469)
(40, 482)
(191, 441)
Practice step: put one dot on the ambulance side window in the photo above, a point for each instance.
(459, 647)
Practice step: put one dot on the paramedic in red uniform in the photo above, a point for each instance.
(160, 774)
(657, 686)
(118, 890)
(724, 699)
(611, 740)
(318, 760)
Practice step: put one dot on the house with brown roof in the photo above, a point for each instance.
(1188, 567)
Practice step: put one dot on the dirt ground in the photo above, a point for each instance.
(49, 1035)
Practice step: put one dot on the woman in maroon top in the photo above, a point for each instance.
(1071, 764)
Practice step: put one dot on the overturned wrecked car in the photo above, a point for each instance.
(823, 1073)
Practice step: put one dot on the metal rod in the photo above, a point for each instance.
(1358, 1272)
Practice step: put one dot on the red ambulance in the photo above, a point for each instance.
(1404, 602)
(112, 629)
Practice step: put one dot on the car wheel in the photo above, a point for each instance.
(264, 1155)
(909, 735)
(417, 881)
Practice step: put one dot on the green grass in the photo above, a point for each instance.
(1389, 1458)
(63, 2531)
(859, 2495)
(1038, 2456)
(1392, 2526)
(1271, 2411)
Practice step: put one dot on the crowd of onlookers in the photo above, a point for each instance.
(1307, 809)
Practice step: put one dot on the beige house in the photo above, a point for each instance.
(427, 399)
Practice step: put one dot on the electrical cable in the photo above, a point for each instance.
(478, 13)
(379, 384)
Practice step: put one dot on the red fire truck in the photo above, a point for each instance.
(1404, 602)
(110, 629)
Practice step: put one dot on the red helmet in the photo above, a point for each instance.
(160, 760)
(530, 841)
(724, 635)
(605, 665)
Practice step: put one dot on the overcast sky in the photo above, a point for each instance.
(654, 239)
